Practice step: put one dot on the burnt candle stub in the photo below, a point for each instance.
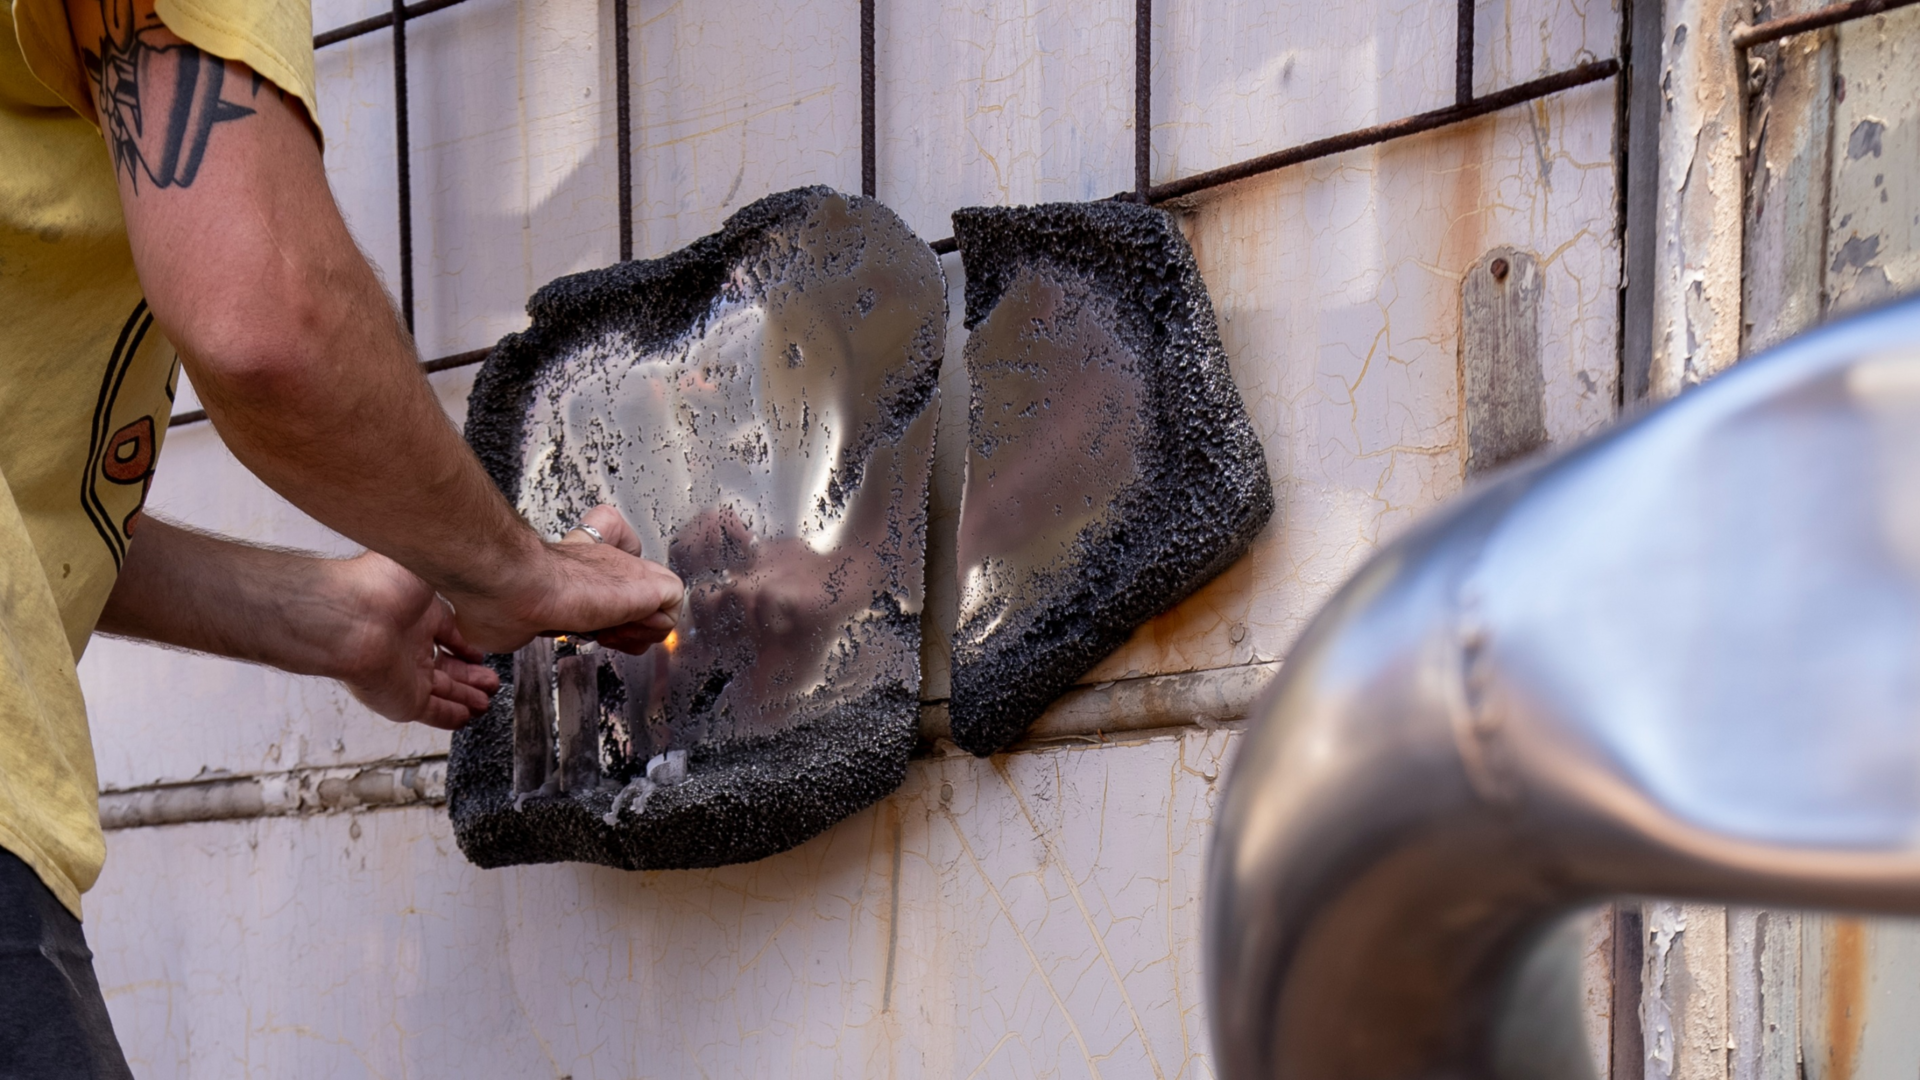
(761, 406)
(1111, 468)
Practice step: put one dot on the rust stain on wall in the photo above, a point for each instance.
(1846, 995)
(1461, 159)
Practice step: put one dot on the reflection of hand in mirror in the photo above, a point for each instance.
(764, 608)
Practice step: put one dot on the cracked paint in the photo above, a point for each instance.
(1037, 915)
(1050, 929)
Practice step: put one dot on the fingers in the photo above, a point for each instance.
(473, 683)
(611, 525)
(601, 588)
(446, 715)
(446, 633)
(579, 587)
(459, 691)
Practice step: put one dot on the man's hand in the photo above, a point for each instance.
(404, 658)
(593, 586)
(368, 621)
(294, 347)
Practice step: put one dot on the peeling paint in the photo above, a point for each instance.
(1873, 238)
(1697, 296)
(286, 947)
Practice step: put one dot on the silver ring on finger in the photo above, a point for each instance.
(581, 526)
(436, 652)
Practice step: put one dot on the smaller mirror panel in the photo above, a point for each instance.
(1111, 467)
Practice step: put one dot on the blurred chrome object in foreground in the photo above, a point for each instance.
(1682, 659)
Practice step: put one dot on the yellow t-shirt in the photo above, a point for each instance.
(86, 385)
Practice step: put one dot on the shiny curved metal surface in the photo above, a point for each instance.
(753, 457)
(1681, 659)
(761, 406)
(1056, 413)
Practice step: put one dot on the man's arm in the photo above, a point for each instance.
(297, 354)
(365, 621)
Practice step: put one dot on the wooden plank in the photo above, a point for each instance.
(1684, 992)
(1779, 947)
(533, 753)
(1500, 380)
(1873, 235)
(577, 721)
(1789, 126)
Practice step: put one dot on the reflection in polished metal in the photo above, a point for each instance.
(760, 407)
(1111, 467)
(1682, 659)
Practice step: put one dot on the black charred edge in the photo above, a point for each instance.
(1205, 497)
(734, 807)
(742, 801)
(653, 300)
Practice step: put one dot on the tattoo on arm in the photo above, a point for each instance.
(159, 98)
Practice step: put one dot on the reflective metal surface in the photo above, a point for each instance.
(1682, 659)
(1057, 436)
(761, 407)
(1111, 467)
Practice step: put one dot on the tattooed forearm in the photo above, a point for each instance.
(158, 97)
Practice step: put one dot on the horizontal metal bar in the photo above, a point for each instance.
(379, 22)
(1126, 707)
(1746, 37)
(1393, 129)
(296, 792)
(1279, 159)
(1122, 711)
(457, 360)
(1593, 72)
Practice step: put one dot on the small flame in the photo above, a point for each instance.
(672, 640)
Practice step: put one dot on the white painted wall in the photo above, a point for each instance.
(1044, 917)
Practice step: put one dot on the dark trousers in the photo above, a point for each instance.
(53, 1021)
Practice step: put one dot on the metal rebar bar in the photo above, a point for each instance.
(379, 22)
(1749, 36)
(623, 119)
(457, 360)
(403, 154)
(1637, 165)
(1352, 140)
(1463, 53)
(1142, 98)
(1581, 75)
(869, 150)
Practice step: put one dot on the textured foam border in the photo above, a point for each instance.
(1206, 492)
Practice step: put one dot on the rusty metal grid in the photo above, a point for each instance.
(1466, 106)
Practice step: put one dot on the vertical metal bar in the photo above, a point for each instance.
(1142, 98)
(403, 155)
(869, 152)
(623, 117)
(1627, 1052)
(1639, 178)
(1463, 55)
